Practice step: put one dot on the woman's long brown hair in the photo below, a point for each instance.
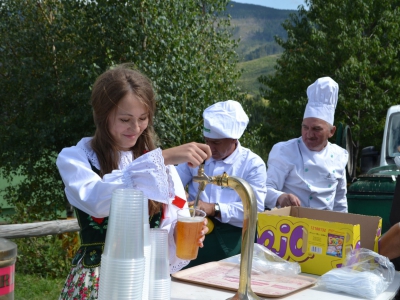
(108, 90)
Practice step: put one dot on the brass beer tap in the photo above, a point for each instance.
(248, 198)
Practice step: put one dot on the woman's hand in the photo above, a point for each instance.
(203, 233)
(192, 153)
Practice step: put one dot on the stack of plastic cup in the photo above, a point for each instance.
(146, 249)
(123, 262)
(160, 280)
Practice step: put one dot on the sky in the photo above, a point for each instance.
(278, 4)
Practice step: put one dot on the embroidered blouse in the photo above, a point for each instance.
(91, 194)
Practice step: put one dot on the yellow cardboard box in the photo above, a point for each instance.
(317, 239)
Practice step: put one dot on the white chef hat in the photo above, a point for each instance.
(224, 120)
(322, 99)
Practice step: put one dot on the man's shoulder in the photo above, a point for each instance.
(337, 149)
(285, 152)
(341, 155)
(250, 155)
(287, 146)
(185, 172)
(182, 167)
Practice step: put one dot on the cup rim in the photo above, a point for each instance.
(190, 209)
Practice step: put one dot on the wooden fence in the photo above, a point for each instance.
(13, 231)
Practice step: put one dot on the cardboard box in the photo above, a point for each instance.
(317, 239)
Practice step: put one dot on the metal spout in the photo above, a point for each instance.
(248, 198)
(202, 184)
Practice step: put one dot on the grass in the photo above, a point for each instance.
(30, 287)
(253, 69)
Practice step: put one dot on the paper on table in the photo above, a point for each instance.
(225, 275)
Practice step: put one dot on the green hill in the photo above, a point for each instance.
(253, 69)
(256, 26)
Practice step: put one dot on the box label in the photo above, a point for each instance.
(335, 245)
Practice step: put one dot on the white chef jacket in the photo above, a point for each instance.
(87, 191)
(318, 179)
(241, 163)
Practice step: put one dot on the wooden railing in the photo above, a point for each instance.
(13, 231)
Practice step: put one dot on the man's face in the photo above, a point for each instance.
(221, 148)
(316, 132)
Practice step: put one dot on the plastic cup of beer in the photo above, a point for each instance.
(190, 222)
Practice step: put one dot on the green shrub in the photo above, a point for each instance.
(43, 256)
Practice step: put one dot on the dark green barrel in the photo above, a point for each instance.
(372, 193)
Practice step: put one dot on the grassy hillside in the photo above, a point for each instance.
(256, 26)
(253, 69)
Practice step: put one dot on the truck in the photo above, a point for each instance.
(372, 192)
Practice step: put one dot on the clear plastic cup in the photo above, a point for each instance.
(120, 294)
(188, 228)
(147, 249)
(123, 262)
(162, 292)
(124, 237)
(147, 258)
(121, 279)
(160, 280)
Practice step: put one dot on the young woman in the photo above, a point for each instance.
(121, 154)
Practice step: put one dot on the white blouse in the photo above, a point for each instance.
(87, 191)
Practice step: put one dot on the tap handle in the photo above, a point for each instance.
(202, 164)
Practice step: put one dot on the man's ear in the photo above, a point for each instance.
(333, 130)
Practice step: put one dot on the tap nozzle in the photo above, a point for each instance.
(202, 185)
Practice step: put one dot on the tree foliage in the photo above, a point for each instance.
(51, 52)
(354, 42)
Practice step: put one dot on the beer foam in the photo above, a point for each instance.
(191, 219)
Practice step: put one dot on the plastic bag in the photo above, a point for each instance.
(267, 262)
(365, 274)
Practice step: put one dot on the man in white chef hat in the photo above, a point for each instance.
(224, 124)
(309, 171)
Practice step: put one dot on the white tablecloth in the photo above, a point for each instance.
(181, 290)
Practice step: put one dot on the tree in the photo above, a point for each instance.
(354, 42)
(50, 54)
